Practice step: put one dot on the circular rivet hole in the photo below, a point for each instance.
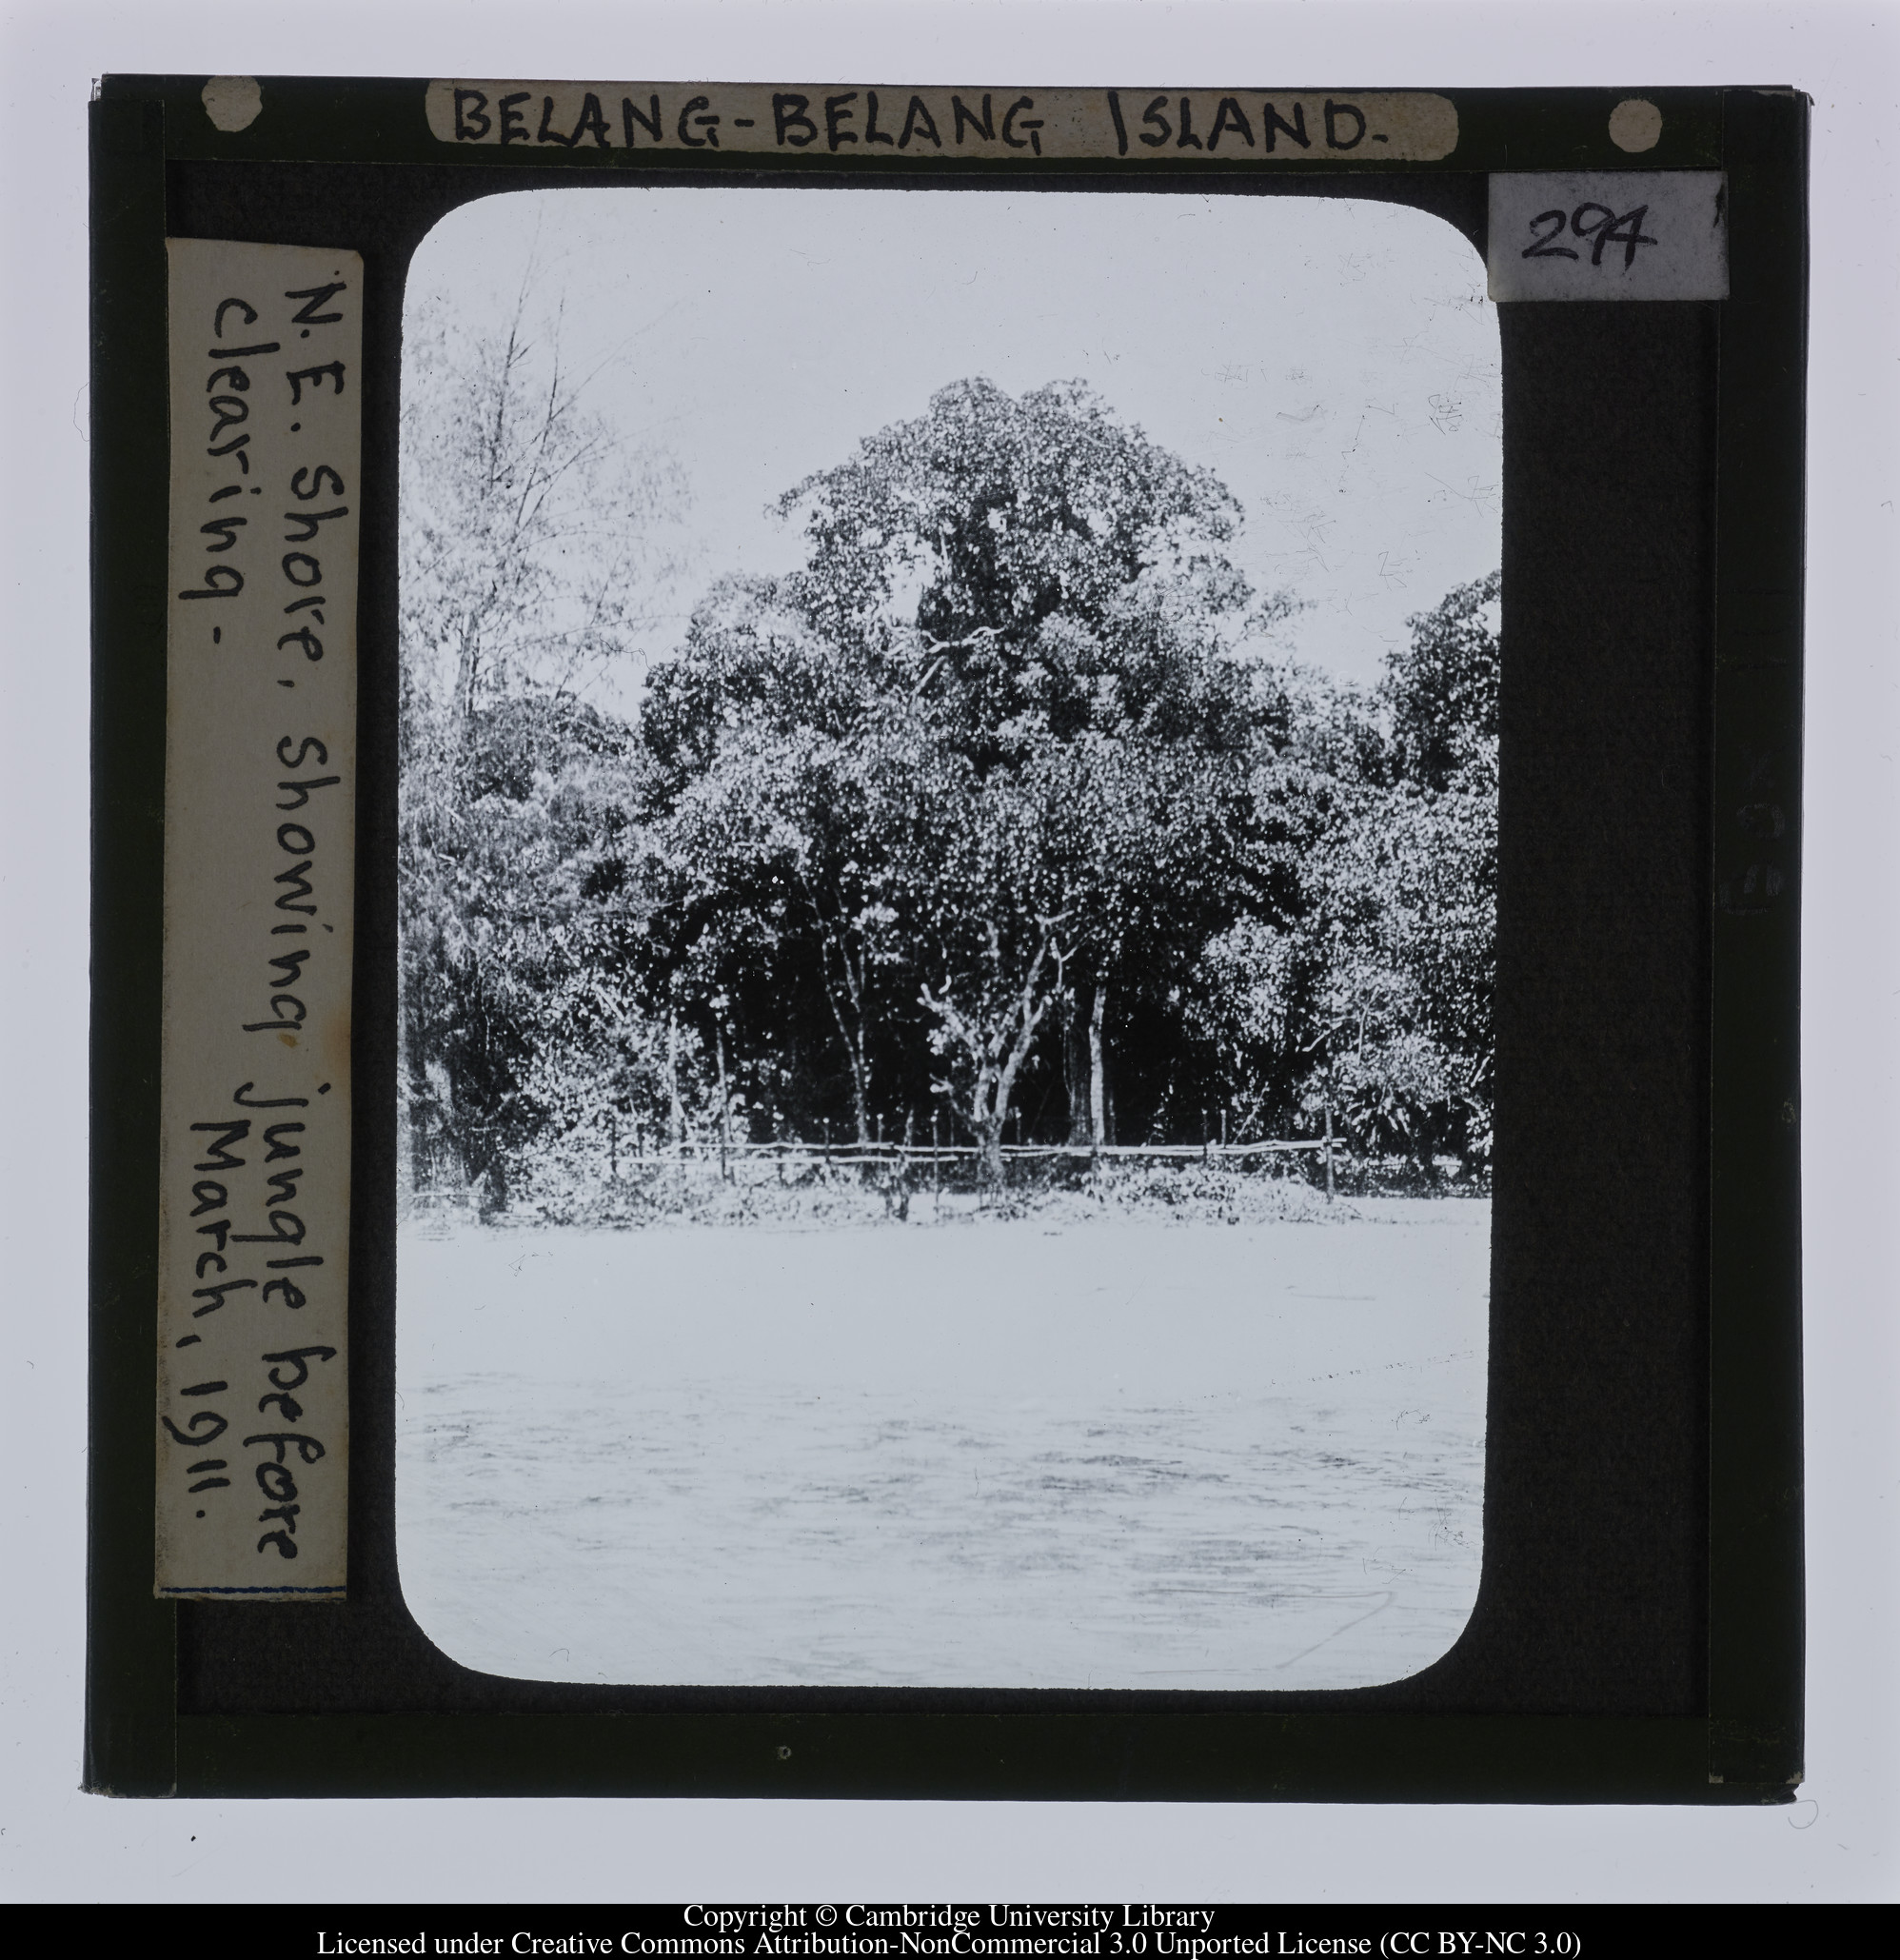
(785, 1753)
(233, 102)
(1635, 123)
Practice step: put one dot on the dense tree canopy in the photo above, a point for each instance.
(1001, 809)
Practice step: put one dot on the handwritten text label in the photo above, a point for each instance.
(1610, 235)
(818, 120)
(265, 345)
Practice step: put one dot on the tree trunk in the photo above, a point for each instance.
(1097, 1082)
(725, 1104)
(994, 1073)
(1076, 1069)
(491, 1182)
(858, 1104)
(675, 1116)
(851, 1032)
(851, 1027)
(462, 711)
(989, 1150)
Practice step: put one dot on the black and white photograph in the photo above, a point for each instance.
(1428, 1252)
(948, 820)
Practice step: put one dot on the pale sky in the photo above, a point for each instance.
(1335, 363)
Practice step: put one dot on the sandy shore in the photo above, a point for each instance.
(1005, 1455)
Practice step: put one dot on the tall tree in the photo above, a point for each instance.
(1400, 940)
(535, 538)
(1052, 589)
(1440, 688)
(768, 746)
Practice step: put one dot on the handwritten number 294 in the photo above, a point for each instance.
(1593, 221)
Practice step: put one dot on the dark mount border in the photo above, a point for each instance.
(1645, 1385)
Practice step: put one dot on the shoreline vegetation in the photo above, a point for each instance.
(797, 1186)
(1007, 822)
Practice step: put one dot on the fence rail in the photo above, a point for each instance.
(854, 1153)
(896, 1168)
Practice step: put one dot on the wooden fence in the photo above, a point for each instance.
(896, 1167)
(912, 1155)
(931, 1162)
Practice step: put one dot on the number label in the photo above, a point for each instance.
(1610, 235)
(1605, 226)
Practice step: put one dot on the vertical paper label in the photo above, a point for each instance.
(253, 1434)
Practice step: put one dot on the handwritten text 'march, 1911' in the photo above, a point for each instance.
(252, 1418)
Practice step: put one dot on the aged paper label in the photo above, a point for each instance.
(819, 119)
(259, 839)
(1610, 235)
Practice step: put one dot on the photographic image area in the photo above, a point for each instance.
(948, 826)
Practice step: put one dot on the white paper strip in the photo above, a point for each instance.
(1610, 235)
(833, 119)
(252, 1434)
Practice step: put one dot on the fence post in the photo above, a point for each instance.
(725, 1102)
(1329, 1151)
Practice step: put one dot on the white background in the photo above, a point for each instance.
(1838, 1843)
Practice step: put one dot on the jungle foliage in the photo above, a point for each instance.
(1005, 815)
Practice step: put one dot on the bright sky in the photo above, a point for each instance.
(1334, 363)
